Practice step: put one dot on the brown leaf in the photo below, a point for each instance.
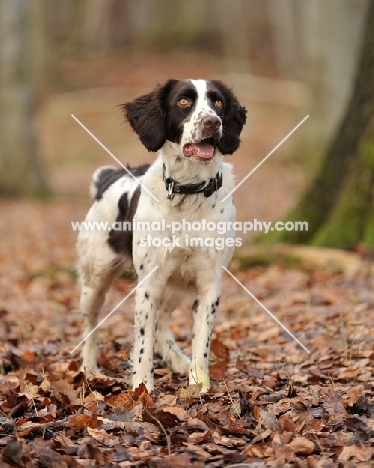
(286, 423)
(196, 423)
(121, 400)
(83, 420)
(19, 410)
(45, 386)
(146, 399)
(353, 395)
(334, 406)
(45, 456)
(191, 392)
(14, 451)
(132, 426)
(98, 434)
(227, 441)
(139, 391)
(197, 450)
(62, 386)
(356, 453)
(198, 437)
(262, 436)
(31, 377)
(302, 446)
(179, 412)
(356, 424)
(160, 417)
(348, 374)
(28, 428)
(180, 460)
(268, 334)
(218, 371)
(268, 418)
(220, 350)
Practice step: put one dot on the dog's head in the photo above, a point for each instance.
(198, 115)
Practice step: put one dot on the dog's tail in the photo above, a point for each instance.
(99, 178)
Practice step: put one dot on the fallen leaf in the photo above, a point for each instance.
(302, 446)
(83, 420)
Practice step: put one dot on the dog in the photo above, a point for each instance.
(192, 124)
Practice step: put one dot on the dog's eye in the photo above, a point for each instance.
(218, 104)
(184, 102)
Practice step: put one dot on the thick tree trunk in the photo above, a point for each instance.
(20, 24)
(339, 200)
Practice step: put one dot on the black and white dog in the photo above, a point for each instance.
(192, 124)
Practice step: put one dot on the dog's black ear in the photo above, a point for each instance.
(147, 116)
(233, 120)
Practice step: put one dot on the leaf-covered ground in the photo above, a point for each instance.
(271, 403)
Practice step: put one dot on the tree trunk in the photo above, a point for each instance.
(20, 62)
(328, 59)
(339, 203)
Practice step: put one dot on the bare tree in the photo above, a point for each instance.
(339, 204)
(318, 42)
(21, 58)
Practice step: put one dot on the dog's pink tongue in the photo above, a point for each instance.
(202, 150)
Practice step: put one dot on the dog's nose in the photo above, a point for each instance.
(211, 123)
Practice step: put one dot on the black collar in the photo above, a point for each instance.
(206, 186)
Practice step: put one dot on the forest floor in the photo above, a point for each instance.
(271, 404)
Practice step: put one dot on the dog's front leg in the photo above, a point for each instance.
(145, 326)
(204, 308)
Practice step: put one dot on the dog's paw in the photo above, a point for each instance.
(179, 363)
(198, 376)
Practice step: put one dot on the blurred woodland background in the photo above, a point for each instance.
(284, 59)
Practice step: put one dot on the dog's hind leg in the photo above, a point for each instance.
(170, 351)
(97, 272)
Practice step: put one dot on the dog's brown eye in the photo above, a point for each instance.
(218, 104)
(184, 102)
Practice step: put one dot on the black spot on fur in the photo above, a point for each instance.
(141, 351)
(146, 295)
(195, 305)
(142, 331)
(121, 241)
(109, 176)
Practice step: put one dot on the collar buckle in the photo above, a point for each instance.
(170, 188)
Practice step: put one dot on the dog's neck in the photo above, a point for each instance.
(185, 170)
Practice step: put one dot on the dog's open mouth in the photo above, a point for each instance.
(203, 151)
